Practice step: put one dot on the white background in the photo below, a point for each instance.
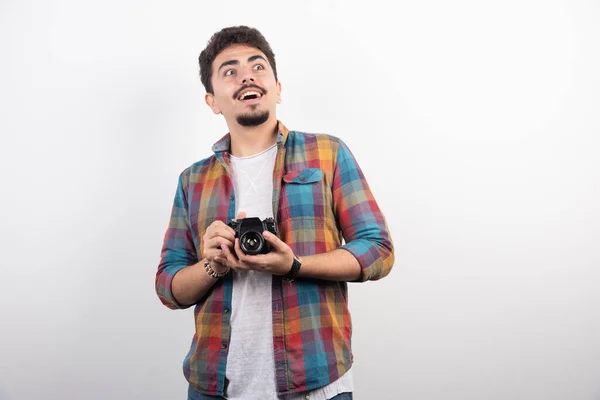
(476, 124)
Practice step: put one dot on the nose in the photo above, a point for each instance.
(246, 76)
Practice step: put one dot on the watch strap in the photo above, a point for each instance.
(293, 272)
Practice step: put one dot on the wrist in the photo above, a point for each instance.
(218, 267)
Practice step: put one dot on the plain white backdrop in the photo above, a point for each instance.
(476, 124)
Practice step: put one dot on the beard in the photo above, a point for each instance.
(253, 119)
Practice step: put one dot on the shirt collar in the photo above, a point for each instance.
(222, 145)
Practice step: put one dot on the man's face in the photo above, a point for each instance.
(244, 85)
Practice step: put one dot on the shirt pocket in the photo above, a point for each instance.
(303, 192)
(304, 176)
(306, 218)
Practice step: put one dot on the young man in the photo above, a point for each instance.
(272, 324)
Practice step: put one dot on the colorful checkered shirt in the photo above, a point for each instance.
(321, 202)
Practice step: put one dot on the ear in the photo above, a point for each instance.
(210, 101)
(278, 92)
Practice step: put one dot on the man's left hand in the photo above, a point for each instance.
(277, 262)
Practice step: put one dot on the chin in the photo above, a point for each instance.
(256, 118)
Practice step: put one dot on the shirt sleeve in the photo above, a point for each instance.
(178, 250)
(363, 225)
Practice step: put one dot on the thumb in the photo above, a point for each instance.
(277, 243)
(241, 215)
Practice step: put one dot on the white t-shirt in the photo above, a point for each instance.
(250, 362)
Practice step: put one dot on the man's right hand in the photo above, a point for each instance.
(217, 234)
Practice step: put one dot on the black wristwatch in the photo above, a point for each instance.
(293, 273)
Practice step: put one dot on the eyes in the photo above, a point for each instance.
(231, 71)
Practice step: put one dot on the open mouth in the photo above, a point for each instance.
(250, 95)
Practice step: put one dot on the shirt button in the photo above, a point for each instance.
(224, 345)
(226, 310)
(302, 178)
(232, 197)
(307, 397)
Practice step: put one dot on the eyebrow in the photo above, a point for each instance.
(236, 62)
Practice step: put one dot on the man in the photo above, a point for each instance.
(273, 324)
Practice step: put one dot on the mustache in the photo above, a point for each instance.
(252, 85)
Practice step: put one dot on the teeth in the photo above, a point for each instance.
(248, 94)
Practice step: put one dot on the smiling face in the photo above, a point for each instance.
(244, 85)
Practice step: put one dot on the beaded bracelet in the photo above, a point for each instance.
(212, 272)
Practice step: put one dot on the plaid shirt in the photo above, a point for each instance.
(320, 197)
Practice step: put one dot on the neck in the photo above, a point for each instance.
(250, 140)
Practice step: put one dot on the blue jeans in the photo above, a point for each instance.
(193, 395)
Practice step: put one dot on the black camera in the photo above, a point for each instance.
(250, 230)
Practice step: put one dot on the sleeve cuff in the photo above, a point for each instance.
(164, 290)
(368, 258)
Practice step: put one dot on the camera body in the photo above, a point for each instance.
(250, 230)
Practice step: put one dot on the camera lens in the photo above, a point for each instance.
(251, 242)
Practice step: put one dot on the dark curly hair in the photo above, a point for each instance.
(225, 38)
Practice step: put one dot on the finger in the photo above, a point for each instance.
(238, 250)
(274, 241)
(241, 215)
(212, 254)
(220, 262)
(218, 228)
(229, 258)
(259, 261)
(217, 242)
(223, 227)
(246, 259)
(252, 261)
(226, 233)
(211, 232)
